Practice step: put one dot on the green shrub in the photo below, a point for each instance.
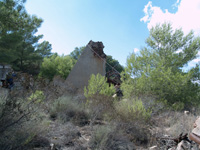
(178, 106)
(97, 86)
(37, 96)
(130, 110)
(56, 65)
(99, 96)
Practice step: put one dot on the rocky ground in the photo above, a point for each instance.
(70, 137)
(165, 128)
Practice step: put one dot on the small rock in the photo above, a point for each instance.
(153, 148)
(186, 112)
(52, 146)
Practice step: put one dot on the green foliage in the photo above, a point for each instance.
(56, 65)
(157, 69)
(130, 110)
(44, 49)
(178, 106)
(114, 63)
(77, 52)
(173, 86)
(37, 96)
(18, 43)
(166, 44)
(98, 94)
(97, 86)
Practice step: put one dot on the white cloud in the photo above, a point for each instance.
(147, 12)
(136, 50)
(179, 50)
(176, 4)
(193, 63)
(186, 17)
(196, 60)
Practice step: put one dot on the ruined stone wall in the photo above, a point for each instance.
(4, 70)
(88, 63)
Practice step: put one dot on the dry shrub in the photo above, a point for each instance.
(71, 133)
(68, 136)
(135, 131)
(130, 117)
(101, 107)
(39, 142)
(65, 136)
(99, 96)
(107, 137)
(118, 141)
(170, 124)
(100, 136)
(67, 109)
(20, 121)
(178, 123)
(126, 114)
(174, 123)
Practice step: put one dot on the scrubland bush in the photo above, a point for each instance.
(39, 142)
(21, 119)
(99, 96)
(67, 109)
(129, 116)
(100, 137)
(176, 123)
(130, 110)
(168, 125)
(108, 137)
(97, 86)
(132, 118)
(178, 106)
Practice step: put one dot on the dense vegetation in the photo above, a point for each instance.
(62, 65)
(56, 65)
(158, 69)
(18, 43)
(153, 82)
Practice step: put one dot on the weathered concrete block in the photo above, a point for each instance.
(91, 61)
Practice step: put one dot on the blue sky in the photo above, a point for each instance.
(122, 25)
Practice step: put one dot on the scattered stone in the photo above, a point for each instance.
(183, 145)
(153, 148)
(52, 146)
(186, 112)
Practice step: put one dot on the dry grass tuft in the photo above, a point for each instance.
(67, 109)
